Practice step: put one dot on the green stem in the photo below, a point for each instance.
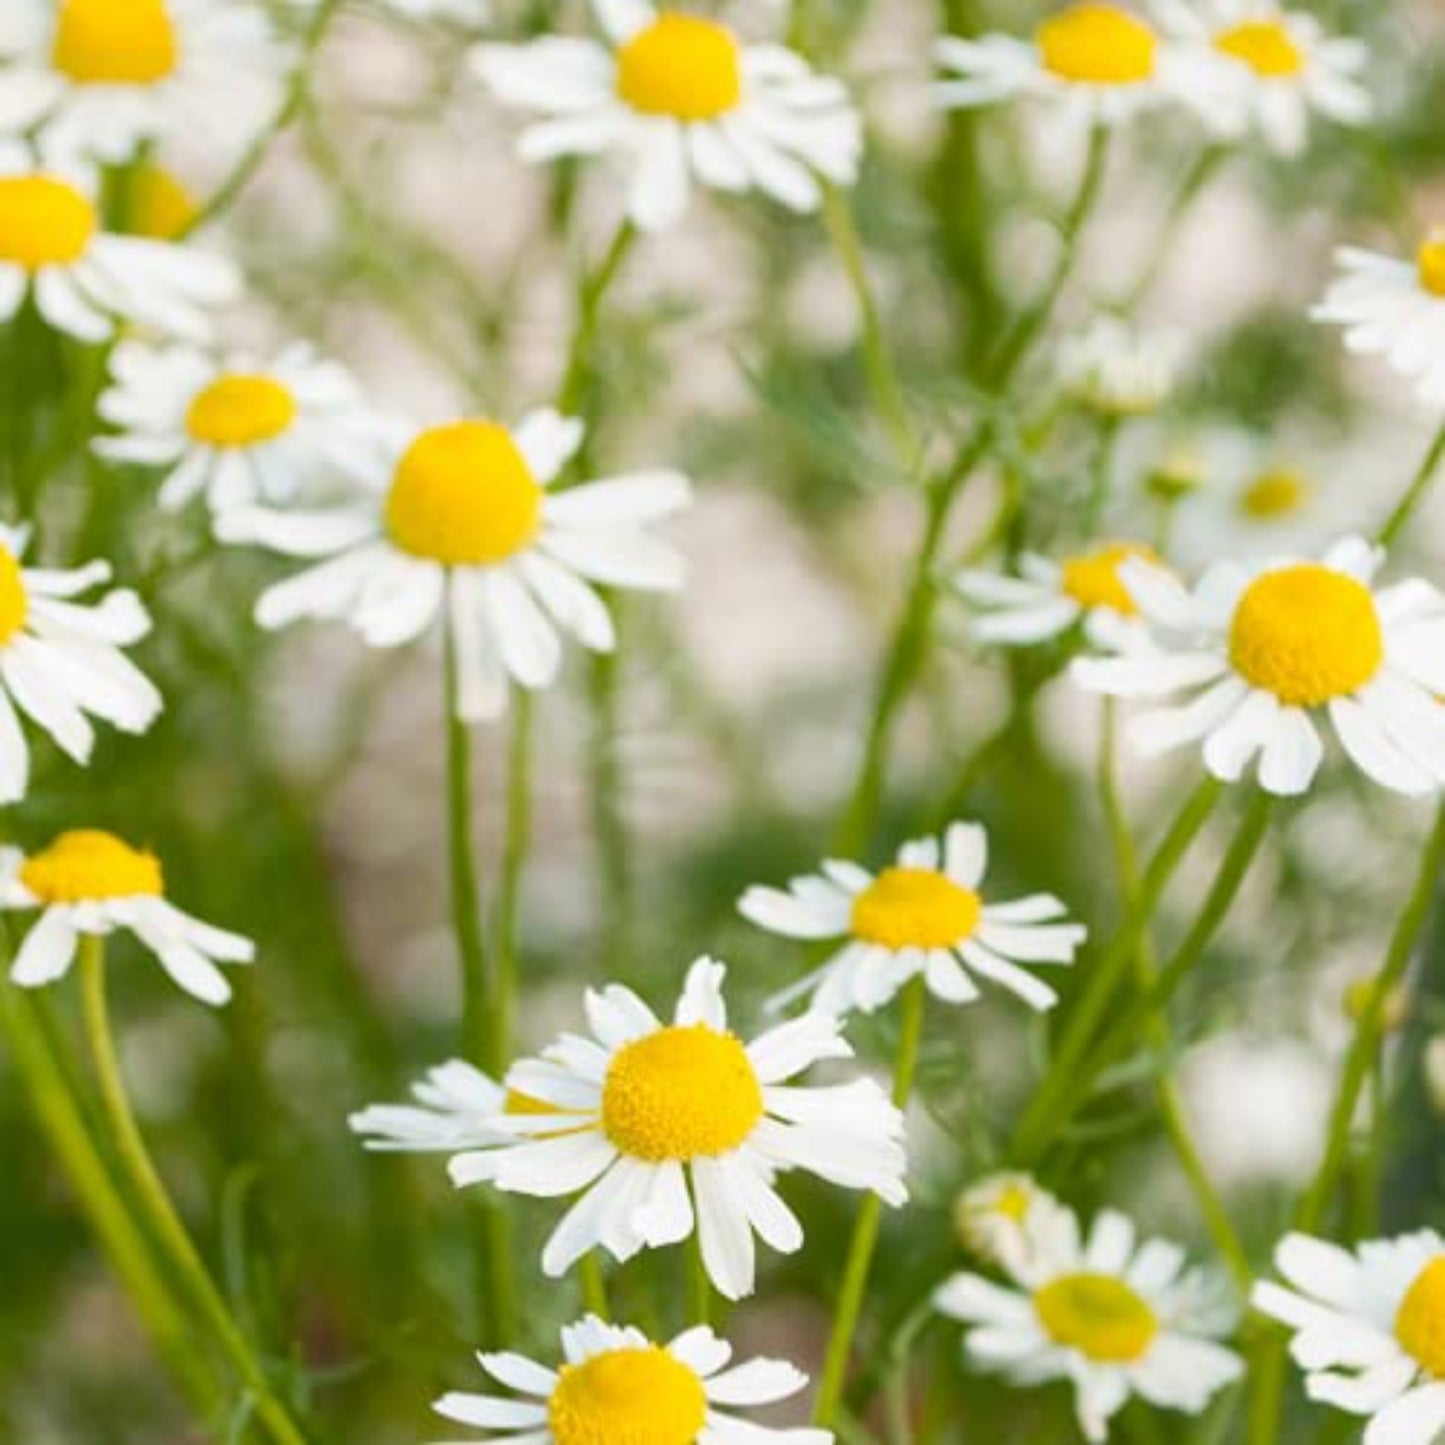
(701, 1284)
(594, 1286)
(865, 1228)
(160, 1212)
(577, 378)
(609, 823)
(1059, 1092)
(1415, 493)
(1189, 191)
(514, 862)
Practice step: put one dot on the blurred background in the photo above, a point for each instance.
(295, 787)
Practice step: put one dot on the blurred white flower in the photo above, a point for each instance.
(922, 918)
(644, 1109)
(1119, 370)
(1113, 1317)
(1001, 1218)
(1367, 1326)
(237, 429)
(459, 517)
(683, 100)
(92, 883)
(1264, 648)
(617, 1386)
(84, 279)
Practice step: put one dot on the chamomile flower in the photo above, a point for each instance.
(93, 883)
(1113, 1317)
(61, 662)
(664, 1129)
(999, 1217)
(84, 279)
(103, 78)
(1367, 1326)
(1394, 309)
(1100, 62)
(458, 517)
(455, 1105)
(684, 101)
(1275, 67)
(236, 429)
(924, 917)
(1049, 598)
(615, 1385)
(1119, 371)
(1266, 648)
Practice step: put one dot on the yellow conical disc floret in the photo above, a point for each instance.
(1266, 46)
(14, 603)
(241, 411)
(1420, 1320)
(641, 1396)
(682, 66)
(43, 222)
(915, 908)
(115, 42)
(1099, 1316)
(1097, 45)
(87, 865)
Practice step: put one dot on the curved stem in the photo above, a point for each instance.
(514, 863)
(1415, 493)
(577, 377)
(160, 1212)
(865, 1228)
(594, 1285)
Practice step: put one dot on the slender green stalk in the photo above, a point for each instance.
(162, 1218)
(865, 1229)
(594, 1285)
(1059, 1091)
(1181, 205)
(883, 383)
(609, 822)
(1267, 1401)
(1415, 493)
(514, 862)
(1171, 1109)
(577, 377)
(701, 1284)
(60, 1115)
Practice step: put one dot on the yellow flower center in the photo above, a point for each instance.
(682, 66)
(115, 42)
(162, 209)
(1273, 494)
(915, 908)
(1097, 1315)
(1360, 993)
(14, 604)
(1420, 1320)
(681, 1093)
(1432, 263)
(240, 411)
(1013, 1203)
(86, 865)
(1093, 580)
(1307, 634)
(464, 495)
(1266, 46)
(43, 222)
(627, 1397)
(1097, 45)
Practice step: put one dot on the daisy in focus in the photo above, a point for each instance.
(1394, 309)
(1113, 1317)
(459, 521)
(1264, 649)
(236, 429)
(1100, 63)
(924, 917)
(1275, 68)
(453, 1110)
(1048, 599)
(61, 662)
(667, 1129)
(616, 1385)
(1367, 1326)
(89, 883)
(85, 280)
(103, 78)
(684, 101)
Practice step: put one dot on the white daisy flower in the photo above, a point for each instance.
(645, 1109)
(1266, 647)
(684, 100)
(1118, 370)
(455, 1105)
(923, 917)
(103, 78)
(86, 280)
(999, 1217)
(92, 883)
(236, 429)
(1394, 309)
(1113, 1318)
(1048, 598)
(1368, 1332)
(460, 517)
(1101, 63)
(61, 661)
(616, 1385)
(1275, 67)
